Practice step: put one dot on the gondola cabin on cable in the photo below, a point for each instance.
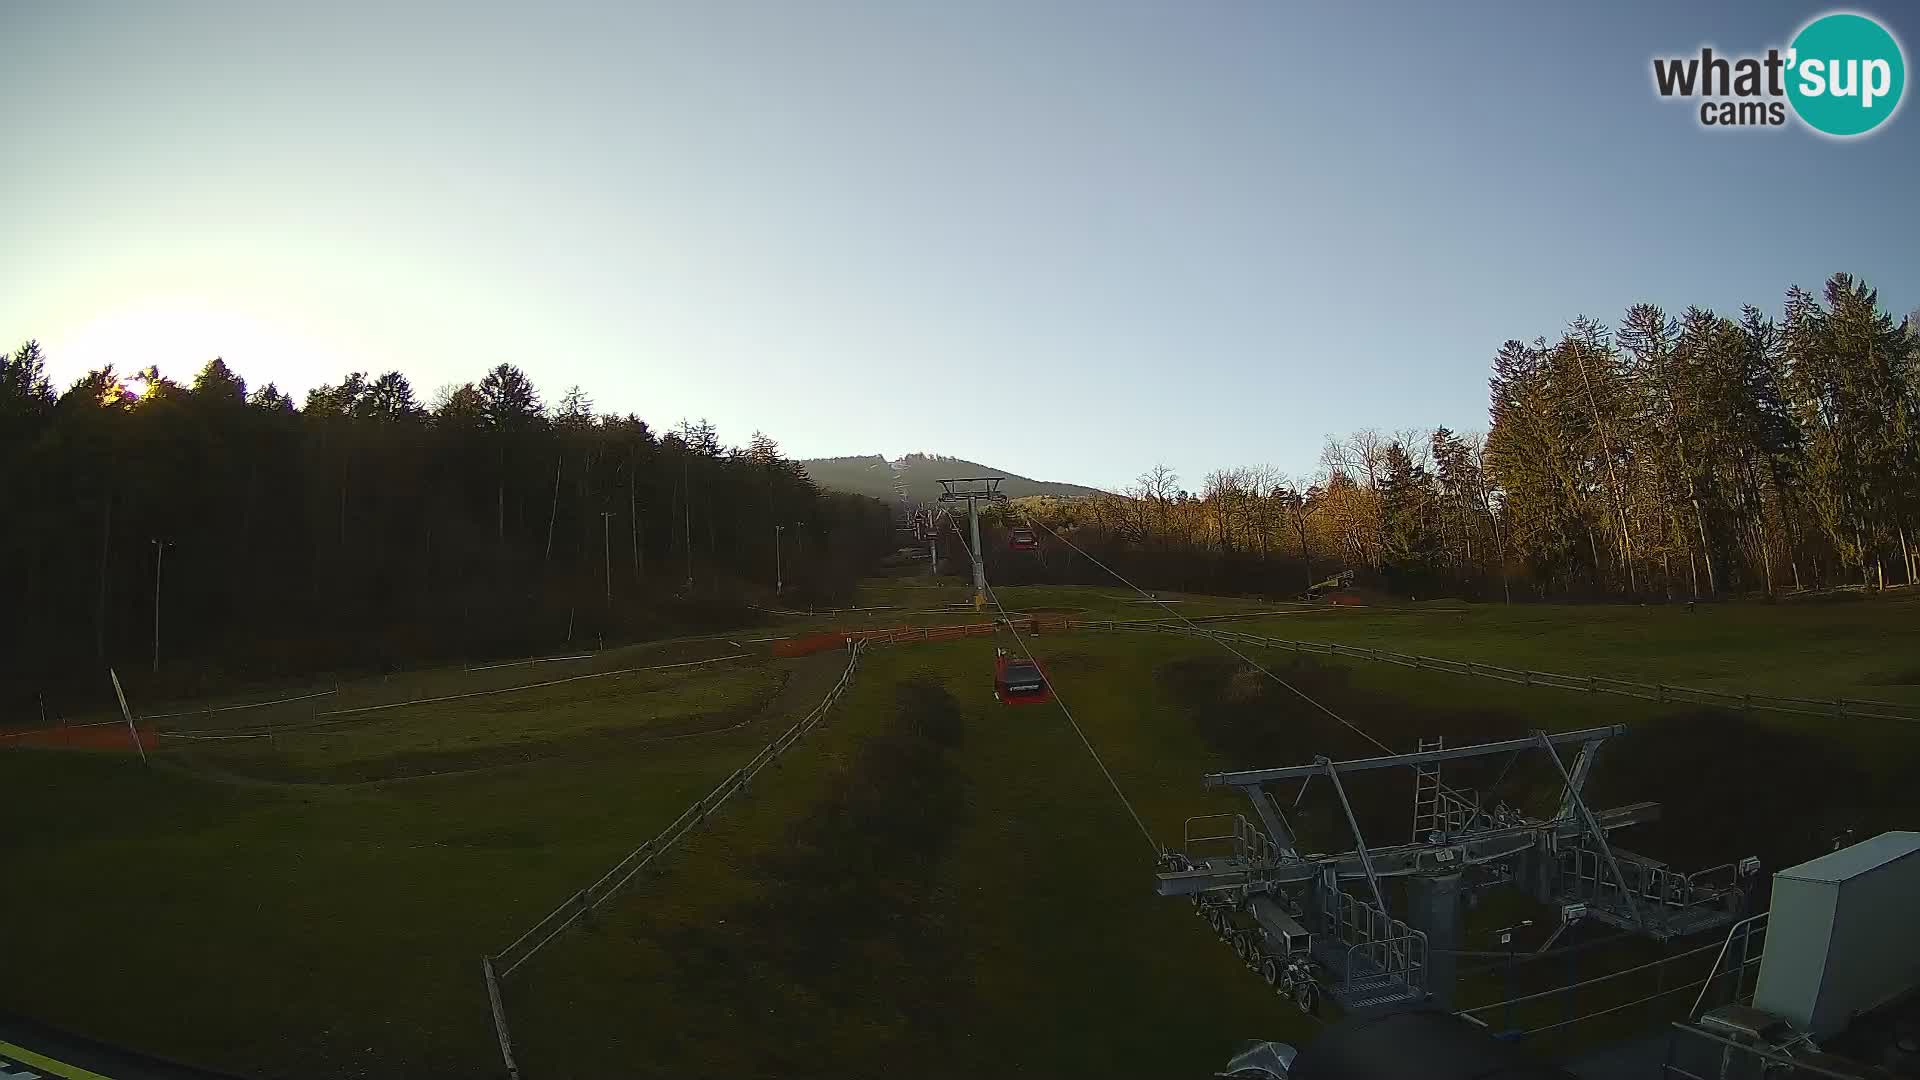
(1017, 680)
(1021, 538)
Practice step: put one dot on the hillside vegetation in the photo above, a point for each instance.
(916, 476)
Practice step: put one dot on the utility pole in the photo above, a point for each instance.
(159, 551)
(554, 512)
(686, 517)
(777, 583)
(100, 604)
(606, 550)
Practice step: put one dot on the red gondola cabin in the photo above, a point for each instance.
(1020, 538)
(1018, 681)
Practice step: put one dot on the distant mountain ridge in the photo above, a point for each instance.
(916, 476)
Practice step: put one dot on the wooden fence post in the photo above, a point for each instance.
(499, 1018)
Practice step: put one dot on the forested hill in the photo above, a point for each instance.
(367, 529)
(1666, 456)
(916, 475)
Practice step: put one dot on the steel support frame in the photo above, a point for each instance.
(1390, 761)
(1593, 827)
(1359, 841)
(988, 492)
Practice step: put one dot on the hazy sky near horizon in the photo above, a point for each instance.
(1069, 239)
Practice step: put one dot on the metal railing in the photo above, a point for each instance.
(1656, 884)
(1745, 929)
(1393, 948)
(1732, 1058)
(1559, 991)
(1744, 961)
(1241, 838)
(498, 966)
(523, 948)
(1401, 960)
(1837, 708)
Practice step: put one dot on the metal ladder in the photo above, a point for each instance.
(1426, 792)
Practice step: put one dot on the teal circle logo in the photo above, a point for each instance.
(1845, 74)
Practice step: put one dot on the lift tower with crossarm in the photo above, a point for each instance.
(1320, 924)
(973, 491)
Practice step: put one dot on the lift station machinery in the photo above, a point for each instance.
(1320, 924)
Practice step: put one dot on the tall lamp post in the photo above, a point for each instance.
(159, 551)
(778, 584)
(606, 550)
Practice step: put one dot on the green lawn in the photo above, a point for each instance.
(1867, 649)
(325, 929)
(1074, 967)
(1043, 899)
(288, 908)
(567, 719)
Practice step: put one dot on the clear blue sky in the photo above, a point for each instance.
(1070, 239)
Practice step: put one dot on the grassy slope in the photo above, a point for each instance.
(1075, 967)
(614, 712)
(316, 930)
(329, 928)
(1863, 649)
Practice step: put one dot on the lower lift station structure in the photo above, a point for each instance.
(1316, 925)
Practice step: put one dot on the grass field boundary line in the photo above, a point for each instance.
(1230, 616)
(1837, 708)
(316, 727)
(528, 686)
(232, 708)
(5, 732)
(527, 945)
(689, 639)
(1871, 704)
(535, 660)
(703, 733)
(822, 611)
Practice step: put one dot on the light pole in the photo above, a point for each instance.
(777, 582)
(606, 550)
(1506, 939)
(159, 551)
